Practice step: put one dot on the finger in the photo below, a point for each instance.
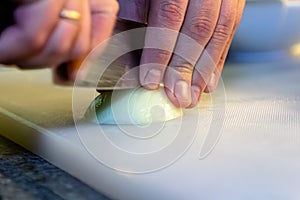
(103, 16)
(216, 46)
(162, 14)
(64, 39)
(217, 74)
(201, 19)
(30, 32)
(103, 19)
(82, 43)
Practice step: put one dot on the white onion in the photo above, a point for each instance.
(135, 106)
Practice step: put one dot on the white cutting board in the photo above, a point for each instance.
(256, 157)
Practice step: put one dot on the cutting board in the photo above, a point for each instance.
(241, 142)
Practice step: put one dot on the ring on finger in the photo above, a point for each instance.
(70, 14)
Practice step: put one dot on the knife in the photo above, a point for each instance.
(122, 73)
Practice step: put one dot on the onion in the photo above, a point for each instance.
(134, 106)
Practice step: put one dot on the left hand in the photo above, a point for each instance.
(211, 23)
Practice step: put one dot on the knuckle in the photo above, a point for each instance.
(225, 25)
(201, 27)
(109, 9)
(183, 68)
(106, 7)
(163, 55)
(172, 13)
(222, 33)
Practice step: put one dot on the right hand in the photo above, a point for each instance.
(40, 38)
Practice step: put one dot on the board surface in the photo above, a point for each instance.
(256, 119)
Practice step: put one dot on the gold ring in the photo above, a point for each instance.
(70, 14)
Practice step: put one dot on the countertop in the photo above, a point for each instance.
(24, 175)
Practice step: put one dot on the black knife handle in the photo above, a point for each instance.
(7, 8)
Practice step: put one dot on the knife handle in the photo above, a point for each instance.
(7, 8)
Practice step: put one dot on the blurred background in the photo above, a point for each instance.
(269, 31)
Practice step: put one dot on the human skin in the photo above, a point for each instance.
(48, 40)
(40, 38)
(210, 23)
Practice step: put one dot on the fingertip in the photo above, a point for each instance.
(212, 84)
(196, 94)
(171, 97)
(209, 89)
(151, 79)
(182, 94)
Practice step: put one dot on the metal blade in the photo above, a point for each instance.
(122, 73)
(122, 70)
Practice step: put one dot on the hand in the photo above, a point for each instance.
(39, 37)
(211, 23)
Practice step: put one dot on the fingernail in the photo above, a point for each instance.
(196, 94)
(212, 82)
(152, 79)
(182, 92)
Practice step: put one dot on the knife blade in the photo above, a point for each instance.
(122, 73)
